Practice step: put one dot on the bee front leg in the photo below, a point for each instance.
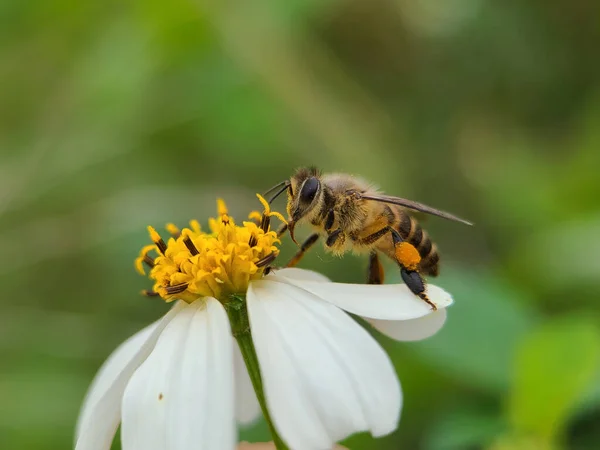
(306, 245)
(329, 221)
(333, 237)
(282, 229)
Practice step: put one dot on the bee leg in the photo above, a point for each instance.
(415, 283)
(375, 273)
(282, 229)
(408, 259)
(371, 238)
(306, 245)
(329, 221)
(333, 237)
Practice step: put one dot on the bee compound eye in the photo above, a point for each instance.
(309, 189)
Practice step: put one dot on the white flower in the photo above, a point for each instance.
(180, 383)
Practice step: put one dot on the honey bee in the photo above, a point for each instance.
(352, 215)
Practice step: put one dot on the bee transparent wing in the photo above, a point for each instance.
(412, 205)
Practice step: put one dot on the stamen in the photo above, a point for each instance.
(144, 258)
(177, 289)
(148, 293)
(265, 218)
(265, 204)
(252, 241)
(255, 217)
(191, 264)
(190, 245)
(173, 230)
(265, 222)
(195, 226)
(266, 260)
(149, 261)
(221, 207)
(278, 216)
(267, 210)
(157, 240)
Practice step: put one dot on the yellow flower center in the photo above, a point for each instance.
(194, 264)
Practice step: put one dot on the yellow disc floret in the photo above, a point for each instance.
(194, 264)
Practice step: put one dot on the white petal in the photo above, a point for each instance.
(247, 409)
(182, 396)
(382, 301)
(411, 330)
(111, 368)
(101, 411)
(324, 376)
(294, 273)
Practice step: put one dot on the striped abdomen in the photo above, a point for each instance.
(411, 231)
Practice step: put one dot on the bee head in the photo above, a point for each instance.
(304, 194)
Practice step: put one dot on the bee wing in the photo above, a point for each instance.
(414, 206)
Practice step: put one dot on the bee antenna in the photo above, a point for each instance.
(277, 186)
(283, 186)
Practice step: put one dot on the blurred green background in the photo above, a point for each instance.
(115, 115)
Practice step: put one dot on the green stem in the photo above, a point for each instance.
(240, 328)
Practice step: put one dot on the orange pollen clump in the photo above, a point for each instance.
(408, 255)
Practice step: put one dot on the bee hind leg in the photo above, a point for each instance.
(415, 283)
(405, 255)
(408, 259)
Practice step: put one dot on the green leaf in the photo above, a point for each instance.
(554, 368)
(592, 398)
(549, 252)
(464, 427)
(484, 325)
(520, 442)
